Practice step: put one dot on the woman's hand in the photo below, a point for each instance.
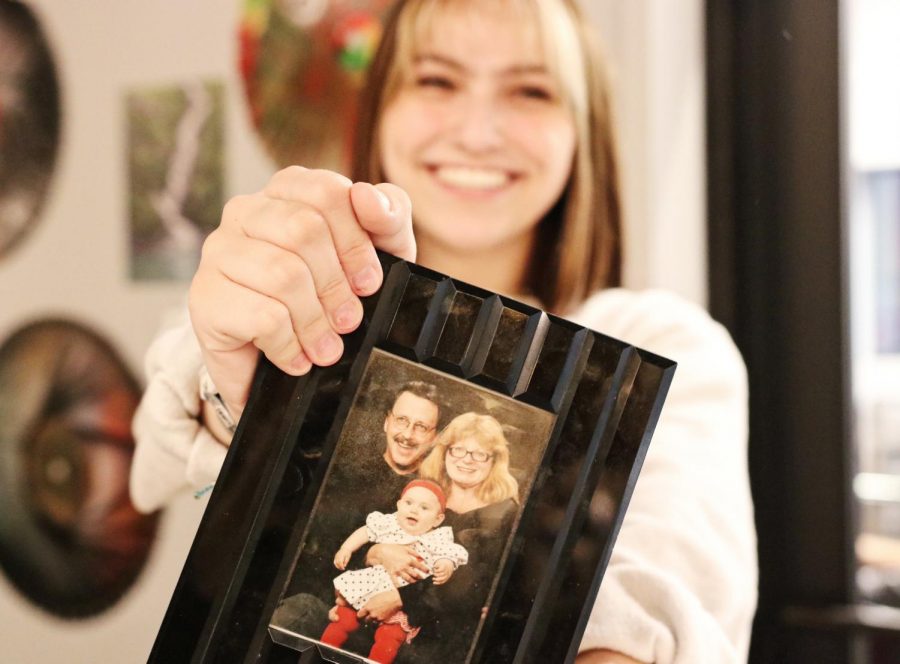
(284, 271)
(382, 606)
(399, 560)
(604, 657)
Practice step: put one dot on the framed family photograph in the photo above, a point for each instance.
(449, 491)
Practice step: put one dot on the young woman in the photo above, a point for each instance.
(490, 117)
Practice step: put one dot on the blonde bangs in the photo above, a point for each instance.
(554, 26)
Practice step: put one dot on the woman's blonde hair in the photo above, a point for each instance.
(499, 484)
(578, 247)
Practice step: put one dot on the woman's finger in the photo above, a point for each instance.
(385, 212)
(329, 194)
(283, 276)
(234, 322)
(304, 232)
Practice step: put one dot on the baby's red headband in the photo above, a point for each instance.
(434, 487)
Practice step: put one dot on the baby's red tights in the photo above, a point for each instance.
(388, 638)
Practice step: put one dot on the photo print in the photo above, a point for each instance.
(70, 539)
(29, 121)
(303, 64)
(175, 162)
(426, 463)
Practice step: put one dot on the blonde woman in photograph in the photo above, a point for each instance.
(485, 150)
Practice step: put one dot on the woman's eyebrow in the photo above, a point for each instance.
(526, 69)
(438, 59)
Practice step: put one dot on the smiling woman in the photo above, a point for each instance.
(484, 150)
(497, 123)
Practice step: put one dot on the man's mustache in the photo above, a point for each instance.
(400, 438)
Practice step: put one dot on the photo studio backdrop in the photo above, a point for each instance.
(124, 126)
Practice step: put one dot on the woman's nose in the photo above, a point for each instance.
(479, 124)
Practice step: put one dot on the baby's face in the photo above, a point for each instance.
(418, 511)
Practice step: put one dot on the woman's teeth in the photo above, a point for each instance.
(481, 179)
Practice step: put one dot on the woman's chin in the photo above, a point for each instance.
(465, 482)
(464, 243)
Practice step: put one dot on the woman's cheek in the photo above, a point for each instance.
(556, 134)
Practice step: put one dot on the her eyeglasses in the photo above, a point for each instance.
(460, 452)
(419, 428)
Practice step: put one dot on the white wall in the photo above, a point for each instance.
(655, 50)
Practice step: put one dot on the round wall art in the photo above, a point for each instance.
(303, 62)
(70, 539)
(29, 121)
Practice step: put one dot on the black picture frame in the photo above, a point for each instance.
(605, 396)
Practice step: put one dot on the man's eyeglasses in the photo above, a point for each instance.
(460, 452)
(419, 428)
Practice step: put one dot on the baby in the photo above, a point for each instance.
(420, 511)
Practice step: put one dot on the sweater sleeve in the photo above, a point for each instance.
(173, 450)
(681, 583)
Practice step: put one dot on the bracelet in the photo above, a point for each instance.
(210, 395)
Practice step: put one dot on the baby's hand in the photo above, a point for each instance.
(341, 558)
(443, 570)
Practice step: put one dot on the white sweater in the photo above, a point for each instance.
(681, 584)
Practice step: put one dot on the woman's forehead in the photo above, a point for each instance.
(471, 442)
(492, 34)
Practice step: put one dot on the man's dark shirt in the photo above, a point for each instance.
(355, 486)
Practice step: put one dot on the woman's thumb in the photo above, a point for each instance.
(385, 212)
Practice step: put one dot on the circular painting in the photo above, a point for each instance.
(70, 539)
(29, 121)
(303, 63)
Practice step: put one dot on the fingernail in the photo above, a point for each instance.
(366, 280)
(301, 364)
(385, 201)
(328, 347)
(345, 315)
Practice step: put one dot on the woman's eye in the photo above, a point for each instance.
(534, 92)
(439, 82)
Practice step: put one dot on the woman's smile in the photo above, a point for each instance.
(472, 179)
